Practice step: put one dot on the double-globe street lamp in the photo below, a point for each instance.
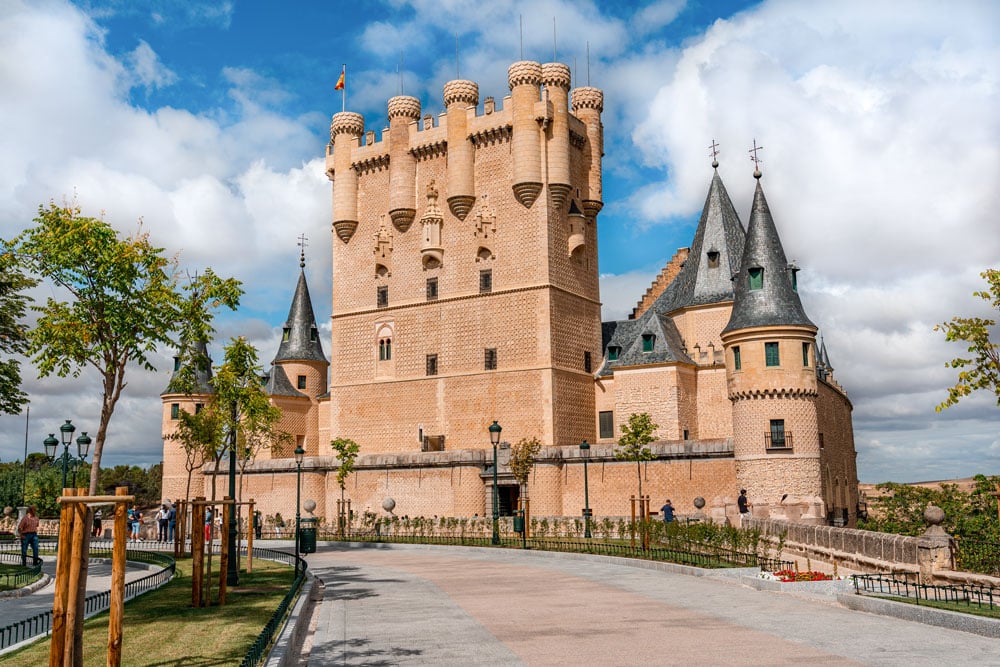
(495, 429)
(66, 433)
(299, 453)
(585, 453)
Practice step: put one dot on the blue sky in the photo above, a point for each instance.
(209, 119)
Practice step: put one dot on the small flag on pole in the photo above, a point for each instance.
(340, 81)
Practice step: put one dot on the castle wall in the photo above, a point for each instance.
(837, 456)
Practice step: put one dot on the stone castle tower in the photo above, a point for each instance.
(447, 317)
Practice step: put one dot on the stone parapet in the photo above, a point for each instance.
(588, 98)
(556, 74)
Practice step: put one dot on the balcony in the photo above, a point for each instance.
(778, 442)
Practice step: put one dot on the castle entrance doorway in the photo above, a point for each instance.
(508, 497)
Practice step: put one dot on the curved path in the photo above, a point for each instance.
(408, 605)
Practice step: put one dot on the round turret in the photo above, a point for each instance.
(404, 106)
(588, 98)
(523, 78)
(524, 72)
(461, 90)
(556, 74)
(346, 128)
(347, 122)
(403, 110)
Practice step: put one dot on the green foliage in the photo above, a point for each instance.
(983, 367)
(968, 515)
(124, 302)
(637, 432)
(13, 332)
(143, 483)
(522, 458)
(347, 454)
(199, 434)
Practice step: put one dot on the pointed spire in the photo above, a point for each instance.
(714, 257)
(827, 366)
(300, 336)
(764, 287)
(202, 370)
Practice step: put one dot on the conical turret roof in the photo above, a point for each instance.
(765, 285)
(202, 365)
(300, 336)
(715, 254)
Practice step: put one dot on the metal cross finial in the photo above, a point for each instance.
(715, 153)
(303, 242)
(755, 159)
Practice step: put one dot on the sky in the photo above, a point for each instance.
(209, 120)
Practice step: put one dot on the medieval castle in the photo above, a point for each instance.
(465, 290)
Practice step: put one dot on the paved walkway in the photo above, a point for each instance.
(408, 605)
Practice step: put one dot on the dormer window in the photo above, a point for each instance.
(286, 333)
(713, 259)
(756, 278)
(313, 335)
(613, 352)
(648, 340)
(793, 274)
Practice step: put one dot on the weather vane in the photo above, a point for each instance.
(302, 253)
(755, 159)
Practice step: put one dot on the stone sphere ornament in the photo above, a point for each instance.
(7, 511)
(699, 502)
(309, 506)
(388, 504)
(934, 515)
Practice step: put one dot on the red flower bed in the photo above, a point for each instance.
(790, 575)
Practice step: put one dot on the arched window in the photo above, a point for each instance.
(384, 349)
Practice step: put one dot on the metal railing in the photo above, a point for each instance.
(262, 644)
(41, 624)
(902, 585)
(21, 575)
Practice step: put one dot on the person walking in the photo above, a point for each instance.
(98, 517)
(668, 512)
(744, 506)
(27, 532)
(208, 524)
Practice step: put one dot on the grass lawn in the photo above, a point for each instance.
(161, 627)
(950, 606)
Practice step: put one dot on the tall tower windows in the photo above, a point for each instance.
(432, 364)
(382, 296)
(805, 355)
(432, 289)
(384, 349)
(771, 355)
(486, 281)
(776, 436)
(490, 359)
(737, 361)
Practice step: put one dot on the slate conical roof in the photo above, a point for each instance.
(202, 371)
(775, 301)
(300, 336)
(715, 254)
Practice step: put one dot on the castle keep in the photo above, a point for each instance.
(465, 290)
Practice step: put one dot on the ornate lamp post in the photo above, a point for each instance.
(585, 453)
(495, 429)
(299, 453)
(82, 449)
(66, 433)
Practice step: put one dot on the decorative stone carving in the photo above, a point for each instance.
(432, 254)
(383, 249)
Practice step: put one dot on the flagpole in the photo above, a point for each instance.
(343, 91)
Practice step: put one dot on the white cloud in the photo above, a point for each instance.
(148, 69)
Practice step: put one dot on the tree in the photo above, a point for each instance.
(13, 332)
(347, 453)
(636, 434)
(124, 302)
(522, 460)
(198, 434)
(984, 366)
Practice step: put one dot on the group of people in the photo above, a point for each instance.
(742, 504)
(166, 522)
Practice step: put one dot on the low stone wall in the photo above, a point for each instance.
(863, 549)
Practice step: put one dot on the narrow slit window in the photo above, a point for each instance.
(175, 410)
(613, 352)
(432, 289)
(301, 382)
(586, 362)
(486, 281)
(382, 296)
(648, 341)
(756, 278)
(490, 359)
(313, 335)
(432, 364)
(737, 360)
(805, 355)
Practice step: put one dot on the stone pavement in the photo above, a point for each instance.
(420, 605)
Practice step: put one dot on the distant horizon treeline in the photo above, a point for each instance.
(43, 482)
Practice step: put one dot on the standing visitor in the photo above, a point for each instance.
(744, 506)
(98, 516)
(208, 524)
(27, 532)
(171, 521)
(162, 520)
(668, 512)
(258, 529)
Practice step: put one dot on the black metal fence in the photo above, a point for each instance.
(262, 644)
(21, 575)
(41, 624)
(902, 585)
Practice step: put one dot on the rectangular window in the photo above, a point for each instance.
(175, 410)
(586, 362)
(382, 296)
(302, 382)
(613, 352)
(777, 435)
(486, 281)
(606, 423)
(313, 335)
(490, 358)
(805, 354)
(177, 364)
(737, 362)
(648, 340)
(713, 259)
(821, 443)
(285, 334)
(198, 407)
(771, 357)
(686, 434)
(432, 364)
(756, 278)
(432, 289)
